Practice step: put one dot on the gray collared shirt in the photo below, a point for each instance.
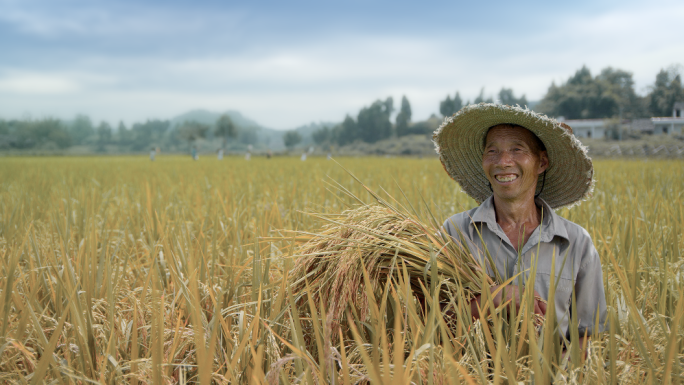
(577, 263)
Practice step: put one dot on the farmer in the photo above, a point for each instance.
(520, 166)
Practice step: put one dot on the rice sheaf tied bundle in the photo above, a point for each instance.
(384, 240)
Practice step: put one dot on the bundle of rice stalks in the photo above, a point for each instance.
(390, 243)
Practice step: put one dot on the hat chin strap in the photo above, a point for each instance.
(535, 195)
(542, 189)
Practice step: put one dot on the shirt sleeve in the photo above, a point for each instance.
(589, 292)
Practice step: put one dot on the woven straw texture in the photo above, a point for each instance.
(459, 141)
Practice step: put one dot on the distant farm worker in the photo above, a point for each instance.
(520, 166)
(152, 154)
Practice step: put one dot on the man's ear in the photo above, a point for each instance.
(543, 162)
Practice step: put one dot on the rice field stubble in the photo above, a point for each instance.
(125, 270)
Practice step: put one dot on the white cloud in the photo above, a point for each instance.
(38, 84)
(52, 83)
(51, 20)
(330, 75)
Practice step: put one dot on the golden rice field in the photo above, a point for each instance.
(121, 270)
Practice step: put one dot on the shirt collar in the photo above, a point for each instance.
(551, 223)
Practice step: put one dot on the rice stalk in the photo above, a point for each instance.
(59, 230)
(378, 238)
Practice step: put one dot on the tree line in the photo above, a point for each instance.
(609, 94)
(372, 123)
(53, 134)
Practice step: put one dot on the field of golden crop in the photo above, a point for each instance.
(122, 270)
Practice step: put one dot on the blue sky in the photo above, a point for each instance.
(285, 64)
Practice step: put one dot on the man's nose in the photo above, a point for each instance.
(505, 158)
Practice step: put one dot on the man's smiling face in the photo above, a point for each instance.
(512, 161)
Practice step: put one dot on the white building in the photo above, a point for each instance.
(642, 126)
(673, 125)
(597, 128)
(668, 125)
(678, 110)
(587, 128)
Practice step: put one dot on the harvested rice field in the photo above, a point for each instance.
(122, 270)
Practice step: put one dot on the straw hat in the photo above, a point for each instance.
(459, 141)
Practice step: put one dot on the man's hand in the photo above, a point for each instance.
(514, 294)
(508, 293)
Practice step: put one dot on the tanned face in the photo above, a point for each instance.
(512, 162)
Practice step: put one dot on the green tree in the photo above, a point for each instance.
(4, 127)
(374, 121)
(291, 139)
(123, 135)
(481, 98)
(666, 91)
(6, 138)
(456, 102)
(225, 128)
(425, 127)
(616, 95)
(146, 134)
(347, 132)
(445, 107)
(506, 97)
(389, 106)
(448, 106)
(44, 133)
(190, 131)
(104, 135)
(403, 117)
(608, 95)
(81, 129)
(322, 136)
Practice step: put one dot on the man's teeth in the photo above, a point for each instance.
(506, 178)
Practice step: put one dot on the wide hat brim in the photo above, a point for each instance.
(459, 141)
